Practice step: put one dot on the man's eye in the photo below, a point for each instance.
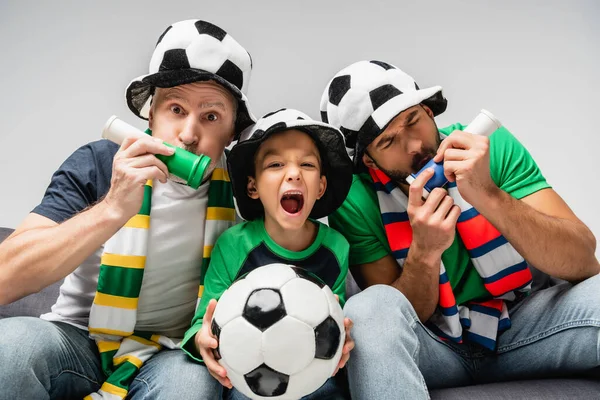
(176, 110)
(212, 117)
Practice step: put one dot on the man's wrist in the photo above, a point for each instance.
(421, 255)
(110, 214)
(492, 201)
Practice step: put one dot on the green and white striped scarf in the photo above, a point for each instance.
(113, 315)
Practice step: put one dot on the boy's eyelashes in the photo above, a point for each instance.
(278, 164)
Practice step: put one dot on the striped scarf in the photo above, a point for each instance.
(505, 274)
(122, 349)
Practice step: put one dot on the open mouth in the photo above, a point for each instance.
(292, 201)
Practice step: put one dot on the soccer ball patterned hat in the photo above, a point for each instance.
(191, 51)
(335, 163)
(364, 97)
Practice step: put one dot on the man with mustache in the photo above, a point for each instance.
(115, 329)
(448, 278)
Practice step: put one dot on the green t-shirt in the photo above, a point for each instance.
(247, 246)
(359, 218)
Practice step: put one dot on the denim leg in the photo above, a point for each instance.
(396, 357)
(172, 374)
(555, 331)
(46, 360)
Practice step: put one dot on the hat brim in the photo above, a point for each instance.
(431, 97)
(141, 89)
(336, 165)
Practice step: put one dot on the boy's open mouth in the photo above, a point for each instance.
(292, 201)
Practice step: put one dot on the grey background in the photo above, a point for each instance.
(65, 65)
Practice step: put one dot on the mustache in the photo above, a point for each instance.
(191, 148)
(419, 160)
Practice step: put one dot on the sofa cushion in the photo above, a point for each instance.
(547, 389)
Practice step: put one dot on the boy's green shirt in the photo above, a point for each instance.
(247, 246)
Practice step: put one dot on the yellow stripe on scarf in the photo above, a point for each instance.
(118, 260)
(108, 300)
(220, 213)
(220, 174)
(200, 291)
(106, 331)
(105, 345)
(128, 357)
(138, 221)
(207, 251)
(112, 389)
(155, 338)
(145, 342)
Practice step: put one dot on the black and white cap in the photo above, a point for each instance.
(190, 51)
(335, 163)
(364, 97)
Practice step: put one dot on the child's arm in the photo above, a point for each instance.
(341, 253)
(216, 281)
(199, 340)
(339, 289)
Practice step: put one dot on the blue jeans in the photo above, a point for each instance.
(329, 391)
(555, 331)
(54, 360)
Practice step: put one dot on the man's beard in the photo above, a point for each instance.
(419, 160)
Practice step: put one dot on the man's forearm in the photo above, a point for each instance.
(559, 247)
(38, 257)
(419, 282)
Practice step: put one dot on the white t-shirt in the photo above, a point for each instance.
(172, 273)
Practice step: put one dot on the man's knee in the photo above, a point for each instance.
(172, 372)
(379, 302)
(380, 314)
(22, 337)
(585, 295)
(26, 345)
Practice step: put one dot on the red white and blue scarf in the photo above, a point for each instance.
(505, 274)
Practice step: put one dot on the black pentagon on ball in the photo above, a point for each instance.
(263, 308)
(267, 382)
(309, 276)
(216, 330)
(267, 115)
(327, 339)
(383, 94)
(338, 87)
(382, 64)
(210, 29)
(232, 73)
(324, 117)
(160, 38)
(174, 59)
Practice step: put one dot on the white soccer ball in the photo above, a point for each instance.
(280, 333)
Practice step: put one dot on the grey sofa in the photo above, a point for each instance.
(547, 389)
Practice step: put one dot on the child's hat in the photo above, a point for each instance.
(191, 51)
(335, 163)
